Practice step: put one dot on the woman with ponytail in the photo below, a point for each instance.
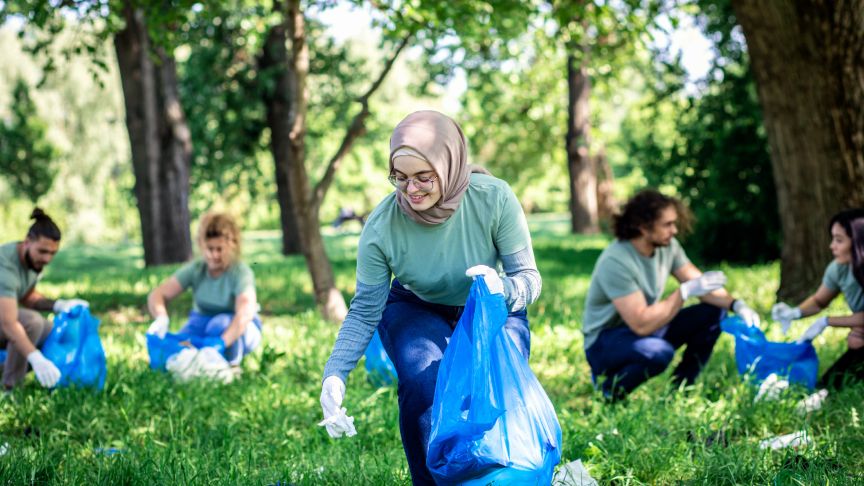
(444, 221)
(22, 328)
(845, 274)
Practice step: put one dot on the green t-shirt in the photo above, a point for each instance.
(622, 270)
(213, 296)
(431, 260)
(839, 277)
(16, 280)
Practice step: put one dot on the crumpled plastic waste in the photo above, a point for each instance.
(771, 388)
(573, 474)
(812, 403)
(339, 424)
(795, 439)
(191, 363)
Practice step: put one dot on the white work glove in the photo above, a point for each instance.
(65, 305)
(705, 283)
(785, 315)
(336, 421)
(814, 330)
(493, 281)
(748, 315)
(46, 373)
(159, 326)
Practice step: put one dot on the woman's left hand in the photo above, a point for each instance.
(493, 281)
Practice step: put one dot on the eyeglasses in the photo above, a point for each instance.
(422, 183)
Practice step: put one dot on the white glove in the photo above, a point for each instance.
(46, 373)
(785, 315)
(748, 315)
(493, 281)
(159, 326)
(65, 305)
(336, 421)
(705, 283)
(814, 330)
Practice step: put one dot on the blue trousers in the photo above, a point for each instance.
(204, 325)
(627, 360)
(415, 334)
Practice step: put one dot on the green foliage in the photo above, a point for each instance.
(26, 155)
(262, 428)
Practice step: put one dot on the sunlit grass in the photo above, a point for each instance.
(262, 429)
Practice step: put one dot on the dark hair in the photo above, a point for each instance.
(43, 227)
(852, 221)
(643, 209)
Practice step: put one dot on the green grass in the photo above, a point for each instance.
(262, 428)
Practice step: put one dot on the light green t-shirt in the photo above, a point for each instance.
(622, 270)
(213, 296)
(431, 260)
(839, 277)
(16, 280)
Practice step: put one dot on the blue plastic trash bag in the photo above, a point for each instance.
(491, 420)
(75, 348)
(2, 356)
(380, 370)
(755, 355)
(160, 349)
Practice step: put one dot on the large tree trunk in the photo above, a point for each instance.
(583, 175)
(160, 142)
(607, 206)
(286, 115)
(808, 61)
(273, 73)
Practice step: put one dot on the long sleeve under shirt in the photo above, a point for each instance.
(488, 227)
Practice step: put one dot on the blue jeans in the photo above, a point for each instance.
(204, 325)
(627, 360)
(415, 334)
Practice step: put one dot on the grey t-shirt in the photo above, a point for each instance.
(839, 277)
(16, 280)
(622, 270)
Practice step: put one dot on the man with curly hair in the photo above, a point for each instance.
(631, 333)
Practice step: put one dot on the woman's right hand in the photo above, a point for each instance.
(159, 326)
(336, 421)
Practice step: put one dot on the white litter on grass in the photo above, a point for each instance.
(4, 449)
(812, 403)
(771, 388)
(573, 474)
(795, 439)
(339, 424)
(191, 363)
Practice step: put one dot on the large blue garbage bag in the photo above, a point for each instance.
(380, 370)
(75, 348)
(491, 420)
(160, 349)
(755, 355)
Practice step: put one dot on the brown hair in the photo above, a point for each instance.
(220, 225)
(643, 209)
(44, 226)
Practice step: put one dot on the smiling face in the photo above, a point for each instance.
(841, 244)
(413, 171)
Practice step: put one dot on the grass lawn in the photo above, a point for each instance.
(262, 429)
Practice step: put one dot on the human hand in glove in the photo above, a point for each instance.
(748, 315)
(493, 281)
(46, 373)
(159, 326)
(785, 315)
(814, 330)
(65, 305)
(336, 421)
(703, 284)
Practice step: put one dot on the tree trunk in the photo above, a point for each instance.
(160, 142)
(583, 180)
(808, 61)
(286, 116)
(272, 64)
(607, 206)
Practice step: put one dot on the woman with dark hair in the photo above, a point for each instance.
(845, 274)
(224, 303)
(22, 328)
(444, 216)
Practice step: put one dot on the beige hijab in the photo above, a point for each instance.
(437, 139)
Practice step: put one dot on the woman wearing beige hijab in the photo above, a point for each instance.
(445, 220)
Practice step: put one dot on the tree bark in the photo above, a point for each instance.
(607, 206)
(583, 179)
(808, 61)
(160, 141)
(272, 63)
